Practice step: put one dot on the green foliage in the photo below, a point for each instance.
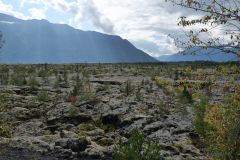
(137, 148)
(129, 88)
(83, 128)
(43, 73)
(73, 111)
(223, 134)
(162, 108)
(65, 76)
(43, 96)
(2, 103)
(139, 95)
(162, 83)
(5, 130)
(176, 75)
(78, 87)
(4, 75)
(75, 91)
(200, 111)
(32, 103)
(214, 14)
(106, 85)
(186, 96)
(83, 89)
(56, 84)
(106, 127)
(18, 78)
(33, 83)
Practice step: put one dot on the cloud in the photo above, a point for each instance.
(8, 9)
(34, 12)
(60, 5)
(37, 13)
(82, 11)
(136, 20)
(141, 21)
(146, 24)
(91, 12)
(147, 46)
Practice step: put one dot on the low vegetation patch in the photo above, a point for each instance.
(137, 148)
(223, 134)
(5, 130)
(73, 111)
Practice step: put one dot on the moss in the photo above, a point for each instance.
(5, 130)
(105, 127)
(82, 129)
(105, 142)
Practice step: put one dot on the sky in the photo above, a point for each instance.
(145, 23)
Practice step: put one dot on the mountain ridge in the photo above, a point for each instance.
(209, 54)
(39, 41)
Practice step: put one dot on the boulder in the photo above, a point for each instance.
(111, 118)
(75, 144)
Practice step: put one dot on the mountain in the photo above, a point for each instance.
(39, 41)
(209, 54)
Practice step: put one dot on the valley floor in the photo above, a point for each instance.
(82, 111)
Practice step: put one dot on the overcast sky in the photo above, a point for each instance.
(146, 23)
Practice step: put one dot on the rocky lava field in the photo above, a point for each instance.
(50, 112)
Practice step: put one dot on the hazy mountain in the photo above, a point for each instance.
(39, 41)
(209, 54)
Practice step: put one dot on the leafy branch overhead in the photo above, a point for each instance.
(216, 15)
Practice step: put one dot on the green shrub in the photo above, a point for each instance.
(75, 91)
(162, 83)
(137, 148)
(5, 130)
(84, 90)
(162, 108)
(200, 111)
(18, 79)
(33, 83)
(32, 103)
(186, 96)
(2, 102)
(176, 75)
(43, 96)
(129, 88)
(4, 75)
(65, 76)
(42, 73)
(139, 95)
(106, 85)
(223, 133)
(56, 84)
(73, 111)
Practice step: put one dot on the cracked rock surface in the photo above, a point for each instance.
(53, 128)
